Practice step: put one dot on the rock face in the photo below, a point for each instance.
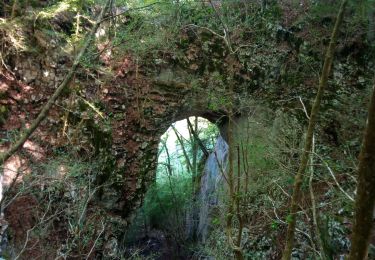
(119, 117)
(136, 111)
(211, 183)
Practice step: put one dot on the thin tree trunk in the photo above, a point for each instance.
(77, 23)
(44, 112)
(316, 230)
(194, 152)
(231, 176)
(239, 214)
(365, 200)
(179, 138)
(196, 138)
(309, 136)
(230, 180)
(14, 9)
(371, 24)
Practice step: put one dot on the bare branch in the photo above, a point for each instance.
(96, 240)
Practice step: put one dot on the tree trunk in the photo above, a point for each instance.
(14, 9)
(365, 200)
(309, 136)
(371, 24)
(189, 167)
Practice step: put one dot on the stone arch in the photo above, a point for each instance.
(143, 112)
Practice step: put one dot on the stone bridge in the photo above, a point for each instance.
(144, 106)
(140, 99)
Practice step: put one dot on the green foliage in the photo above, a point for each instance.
(144, 31)
(165, 198)
(325, 13)
(157, 29)
(288, 218)
(275, 225)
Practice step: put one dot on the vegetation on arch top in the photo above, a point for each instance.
(276, 44)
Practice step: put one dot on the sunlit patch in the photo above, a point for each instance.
(182, 129)
(13, 167)
(170, 142)
(26, 88)
(55, 9)
(34, 149)
(4, 87)
(106, 52)
(62, 170)
(100, 33)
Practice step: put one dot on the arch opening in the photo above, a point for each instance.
(167, 222)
